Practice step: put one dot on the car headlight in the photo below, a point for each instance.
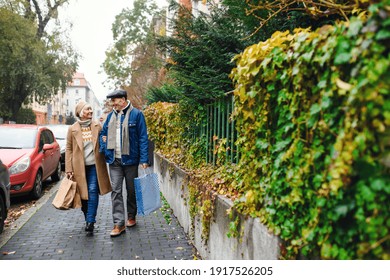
(20, 166)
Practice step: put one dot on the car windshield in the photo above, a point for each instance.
(59, 131)
(17, 138)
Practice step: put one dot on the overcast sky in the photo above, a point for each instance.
(91, 35)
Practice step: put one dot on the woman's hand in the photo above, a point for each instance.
(69, 175)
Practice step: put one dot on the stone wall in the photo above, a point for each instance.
(255, 242)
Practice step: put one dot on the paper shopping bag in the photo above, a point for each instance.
(77, 199)
(65, 196)
(147, 192)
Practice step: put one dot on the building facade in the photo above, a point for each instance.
(62, 105)
(80, 89)
(52, 112)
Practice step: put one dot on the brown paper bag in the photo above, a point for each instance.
(77, 199)
(65, 196)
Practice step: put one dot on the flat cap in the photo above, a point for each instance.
(119, 93)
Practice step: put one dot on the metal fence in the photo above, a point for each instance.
(220, 132)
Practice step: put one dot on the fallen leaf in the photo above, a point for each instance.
(9, 253)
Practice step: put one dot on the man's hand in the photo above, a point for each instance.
(104, 138)
(145, 165)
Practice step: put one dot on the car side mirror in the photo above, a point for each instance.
(47, 147)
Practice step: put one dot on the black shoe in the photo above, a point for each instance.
(89, 227)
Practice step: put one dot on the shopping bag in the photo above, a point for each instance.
(147, 193)
(65, 197)
(77, 199)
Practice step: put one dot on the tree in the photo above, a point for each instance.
(33, 62)
(262, 18)
(38, 11)
(26, 115)
(133, 38)
(21, 53)
(200, 54)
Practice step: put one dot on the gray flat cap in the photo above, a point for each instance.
(119, 93)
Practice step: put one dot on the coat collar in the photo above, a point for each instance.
(76, 130)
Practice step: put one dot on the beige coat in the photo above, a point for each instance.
(74, 159)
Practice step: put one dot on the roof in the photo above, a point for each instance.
(81, 78)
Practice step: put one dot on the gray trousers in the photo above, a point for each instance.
(118, 172)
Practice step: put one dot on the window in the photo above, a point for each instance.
(49, 138)
(41, 142)
(76, 82)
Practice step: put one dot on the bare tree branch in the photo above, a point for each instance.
(314, 8)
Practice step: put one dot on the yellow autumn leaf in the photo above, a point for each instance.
(343, 85)
(280, 34)
(379, 125)
(250, 196)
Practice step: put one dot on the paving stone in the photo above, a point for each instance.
(52, 234)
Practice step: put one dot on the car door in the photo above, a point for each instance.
(55, 152)
(47, 159)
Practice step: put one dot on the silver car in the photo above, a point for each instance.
(4, 194)
(60, 132)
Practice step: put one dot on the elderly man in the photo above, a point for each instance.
(124, 141)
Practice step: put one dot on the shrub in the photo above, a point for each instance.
(313, 119)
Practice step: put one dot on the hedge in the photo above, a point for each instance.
(312, 111)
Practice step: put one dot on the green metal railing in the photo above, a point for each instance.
(220, 132)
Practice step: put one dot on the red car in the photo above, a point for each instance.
(32, 154)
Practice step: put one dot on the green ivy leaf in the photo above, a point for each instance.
(261, 144)
(354, 27)
(382, 35)
(342, 58)
(378, 185)
(282, 144)
(315, 109)
(325, 102)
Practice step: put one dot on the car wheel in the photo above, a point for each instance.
(37, 190)
(56, 176)
(3, 212)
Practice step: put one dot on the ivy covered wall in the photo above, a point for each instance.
(312, 111)
(312, 114)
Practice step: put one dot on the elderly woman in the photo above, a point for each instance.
(84, 164)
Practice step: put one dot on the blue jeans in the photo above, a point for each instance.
(93, 193)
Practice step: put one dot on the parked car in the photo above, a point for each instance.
(4, 194)
(60, 131)
(32, 155)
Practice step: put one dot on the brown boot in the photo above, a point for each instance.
(131, 222)
(117, 230)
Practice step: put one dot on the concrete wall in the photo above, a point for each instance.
(255, 243)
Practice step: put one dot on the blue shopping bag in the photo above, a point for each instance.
(147, 193)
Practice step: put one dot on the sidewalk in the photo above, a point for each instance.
(51, 234)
